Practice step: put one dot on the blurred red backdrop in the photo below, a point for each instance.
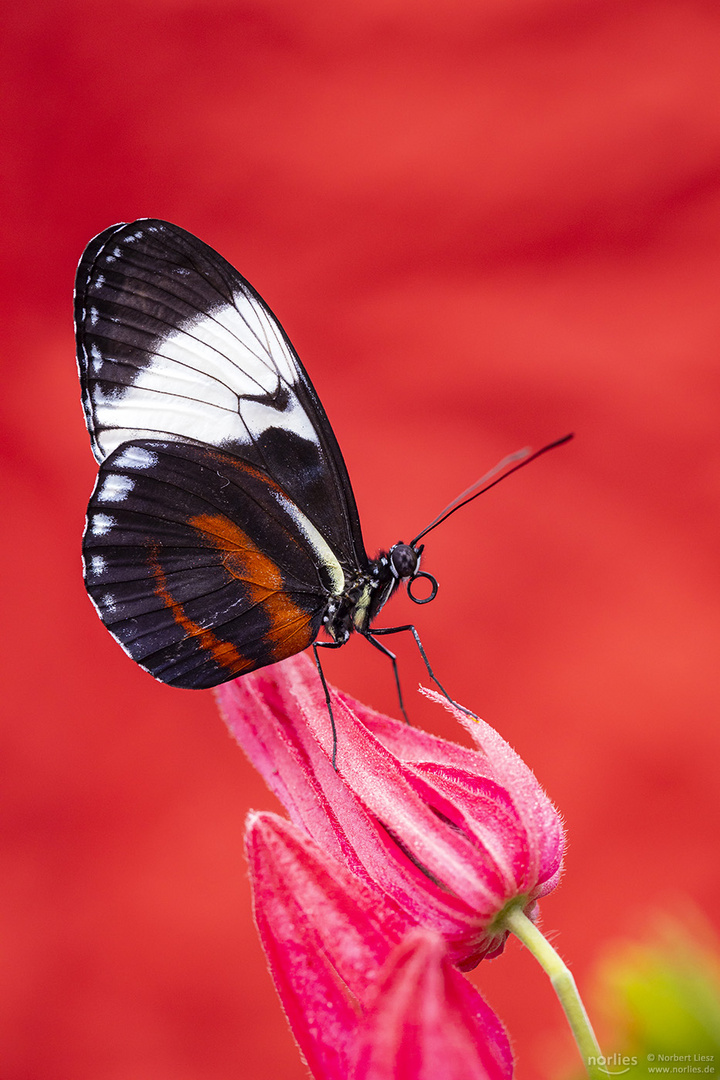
(482, 225)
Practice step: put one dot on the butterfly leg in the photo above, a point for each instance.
(411, 629)
(327, 645)
(393, 660)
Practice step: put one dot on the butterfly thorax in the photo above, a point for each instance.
(368, 592)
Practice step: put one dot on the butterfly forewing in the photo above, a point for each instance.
(200, 565)
(173, 344)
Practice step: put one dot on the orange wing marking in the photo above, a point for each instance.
(223, 653)
(246, 562)
(289, 631)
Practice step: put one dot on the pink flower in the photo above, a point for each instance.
(364, 997)
(450, 837)
(424, 1021)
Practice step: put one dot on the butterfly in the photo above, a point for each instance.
(222, 533)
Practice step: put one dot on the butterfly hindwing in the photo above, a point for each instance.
(173, 344)
(200, 565)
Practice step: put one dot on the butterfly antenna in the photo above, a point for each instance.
(522, 457)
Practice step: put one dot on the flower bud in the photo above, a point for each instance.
(450, 836)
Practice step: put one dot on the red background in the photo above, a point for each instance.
(483, 224)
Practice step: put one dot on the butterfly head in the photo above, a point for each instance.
(404, 560)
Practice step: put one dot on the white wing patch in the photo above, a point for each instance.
(323, 551)
(115, 488)
(197, 382)
(98, 565)
(97, 358)
(136, 457)
(101, 524)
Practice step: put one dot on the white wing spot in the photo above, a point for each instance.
(101, 524)
(97, 358)
(115, 488)
(98, 565)
(108, 602)
(136, 457)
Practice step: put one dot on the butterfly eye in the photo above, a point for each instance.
(433, 588)
(404, 560)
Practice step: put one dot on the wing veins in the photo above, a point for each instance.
(185, 329)
(163, 605)
(271, 510)
(139, 406)
(151, 352)
(215, 626)
(184, 322)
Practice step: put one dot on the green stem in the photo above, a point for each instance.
(563, 983)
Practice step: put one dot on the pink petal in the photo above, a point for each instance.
(325, 935)
(449, 835)
(385, 788)
(358, 813)
(428, 1023)
(542, 822)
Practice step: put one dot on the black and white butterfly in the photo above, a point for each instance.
(222, 534)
